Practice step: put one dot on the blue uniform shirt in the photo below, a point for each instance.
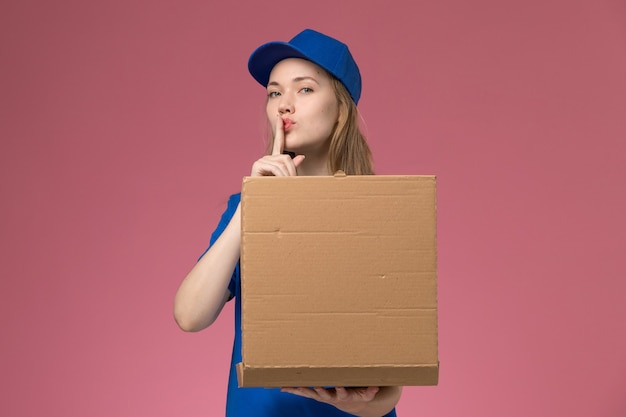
(262, 402)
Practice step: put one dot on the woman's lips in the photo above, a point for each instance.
(287, 124)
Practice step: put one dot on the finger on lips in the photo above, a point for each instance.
(279, 137)
(280, 162)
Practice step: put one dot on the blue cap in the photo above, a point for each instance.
(313, 46)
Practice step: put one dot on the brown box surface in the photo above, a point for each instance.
(339, 281)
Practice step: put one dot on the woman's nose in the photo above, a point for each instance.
(285, 105)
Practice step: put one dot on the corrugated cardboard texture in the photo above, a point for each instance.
(339, 281)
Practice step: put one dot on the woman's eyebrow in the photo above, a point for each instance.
(298, 79)
(295, 80)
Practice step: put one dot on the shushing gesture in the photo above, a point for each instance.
(277, 164)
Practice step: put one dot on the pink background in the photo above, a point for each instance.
(126, 124)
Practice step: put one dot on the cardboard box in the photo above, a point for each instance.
(339, 281)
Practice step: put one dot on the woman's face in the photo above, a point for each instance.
(302, 94)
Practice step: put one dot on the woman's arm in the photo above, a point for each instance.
(203, 293)
(361, 402)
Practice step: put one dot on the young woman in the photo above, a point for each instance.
(313, 86)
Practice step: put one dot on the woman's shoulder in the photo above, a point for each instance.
(231, 206)
(234, 198)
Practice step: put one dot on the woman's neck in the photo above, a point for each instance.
(314, 164)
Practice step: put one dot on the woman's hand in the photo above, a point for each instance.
(277, 163)
(363, 401)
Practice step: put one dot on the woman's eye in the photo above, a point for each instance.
(307, 90)
(272, 94)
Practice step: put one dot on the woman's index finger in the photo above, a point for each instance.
(279, 137)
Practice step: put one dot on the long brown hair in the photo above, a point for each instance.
(348, 149)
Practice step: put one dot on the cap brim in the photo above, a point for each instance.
(266, 56)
